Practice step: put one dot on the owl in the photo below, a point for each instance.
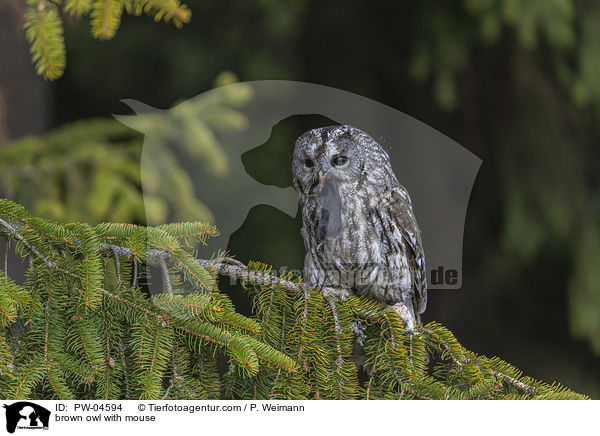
(359, 229)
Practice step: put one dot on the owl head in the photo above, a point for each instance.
(334, 154)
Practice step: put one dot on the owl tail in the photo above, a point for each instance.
(406, 312)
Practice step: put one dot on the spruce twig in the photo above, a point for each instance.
(13, 231)
(237, 270)
(395, 371)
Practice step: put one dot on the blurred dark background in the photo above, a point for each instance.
(517, 82)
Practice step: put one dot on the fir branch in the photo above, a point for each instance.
(124, 365)
(117, 266)
(135, 273)
(106, 18)
(426, 362)
(171, 381)
(165, 277)
(6, 259)
(374, 366)
(30, 374)
(77, 8)
(12, 298)
(44, 31)
(339, 361)
(528, 389)
(13, 231)
(166, 10)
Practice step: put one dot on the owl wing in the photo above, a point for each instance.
(397, 202)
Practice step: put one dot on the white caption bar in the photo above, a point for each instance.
(297, 417)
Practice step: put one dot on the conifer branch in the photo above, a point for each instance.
(516, 383)
(124, 365)
(236, 270)
(165, 277)
(6, 260)
(530, 390)
(135, 273)
(73, 264)
(78, 7)
(43, 25)
(13, 231)
(171, 381)
(106, 18)
(373, 367)
(117, 266)
(44, 31)
(338, 347)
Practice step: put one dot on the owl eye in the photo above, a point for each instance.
(309, 163)
(339, 161)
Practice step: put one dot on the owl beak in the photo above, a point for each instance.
(317, 186)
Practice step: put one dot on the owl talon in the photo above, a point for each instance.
(335, 294)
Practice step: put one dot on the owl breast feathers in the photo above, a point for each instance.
(359, 229)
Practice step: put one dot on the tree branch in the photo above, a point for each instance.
(12, 229)
(235, 269)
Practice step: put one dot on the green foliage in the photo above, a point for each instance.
(44, 24)
(546, 53)
(161, 10)
(537, 147)
(99, 180)
(44, 31)
(428, 363)
(106, 18)
(90, 170)
(85, 329)
(453, 34)
(77, 8)
(82, 327)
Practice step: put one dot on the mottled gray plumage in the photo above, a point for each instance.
(359, 229)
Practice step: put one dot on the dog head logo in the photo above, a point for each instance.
(438, 172)
(26, 415)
